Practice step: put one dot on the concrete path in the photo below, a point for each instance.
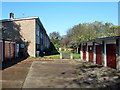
(59, 74)
(51, 74)
(14, 76)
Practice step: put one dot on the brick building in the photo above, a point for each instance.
(29, 33)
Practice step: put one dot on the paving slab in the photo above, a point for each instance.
(71, 74)
(50, 75)
(60, 74)
(14, 76)
(12, 83)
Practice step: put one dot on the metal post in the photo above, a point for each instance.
(87, 58)
(81, 52)
(117, 55)
(94, 53)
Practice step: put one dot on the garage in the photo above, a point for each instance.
(99, 54)
(90, 53)
(111, 55)
(7, 51)
(84, 52)
(103, 51)
(0, 49)
(12, 50)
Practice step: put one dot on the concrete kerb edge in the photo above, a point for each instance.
(27, 75)
(52, 59)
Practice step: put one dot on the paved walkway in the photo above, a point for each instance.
(14, 76)
(59, 74)
(51, 74)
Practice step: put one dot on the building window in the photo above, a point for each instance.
(38, 47)
(41, 35)
(38, 33)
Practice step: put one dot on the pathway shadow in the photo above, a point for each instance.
(12, 62)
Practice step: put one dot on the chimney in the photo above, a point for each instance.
(11, 15)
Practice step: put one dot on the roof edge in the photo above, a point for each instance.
(18, 19)
(99, 39)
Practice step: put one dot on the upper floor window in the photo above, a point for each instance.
(38, 33)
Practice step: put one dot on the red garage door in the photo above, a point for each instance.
(98, 54)
(1, 51)
(90, 50)
(111, 55)
(7, 52)
(12, 50)
(84, 52)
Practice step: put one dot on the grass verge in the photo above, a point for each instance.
(57, 56)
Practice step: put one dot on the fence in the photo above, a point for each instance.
(8, 50)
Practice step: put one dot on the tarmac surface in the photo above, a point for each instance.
(51, 74)
(59, 74)
(14, 76)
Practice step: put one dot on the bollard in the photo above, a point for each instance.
(60, 55)
(71, 56)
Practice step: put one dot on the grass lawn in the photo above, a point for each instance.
(76, 56)
(53, 56)
(57, 56)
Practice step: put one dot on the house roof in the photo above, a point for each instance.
(18, 19)
(99, 39)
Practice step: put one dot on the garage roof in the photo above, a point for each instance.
(99, 39)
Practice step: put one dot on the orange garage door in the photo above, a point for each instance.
(7, 52)
(12, 50)
(1, 51)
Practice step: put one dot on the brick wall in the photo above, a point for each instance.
(23, 32)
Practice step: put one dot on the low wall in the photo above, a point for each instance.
(66, 56)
